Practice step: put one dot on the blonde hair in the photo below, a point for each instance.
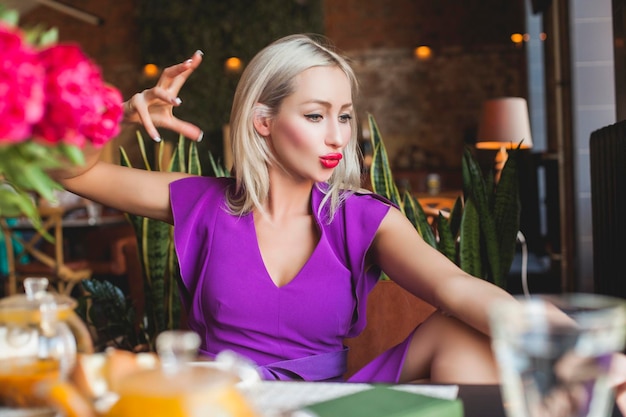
(264, 84)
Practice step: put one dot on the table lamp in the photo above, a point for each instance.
(504, 122)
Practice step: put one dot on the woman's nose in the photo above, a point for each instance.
(335, 134)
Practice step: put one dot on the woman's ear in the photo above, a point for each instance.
(262, 120)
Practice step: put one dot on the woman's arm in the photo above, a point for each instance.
(136, 191)
(131, 190)
(421, 269)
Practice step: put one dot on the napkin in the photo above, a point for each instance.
(383, 401)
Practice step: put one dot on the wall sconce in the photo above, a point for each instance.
(150, 71)
(233, 65)
(517, 39)
(423, 52)
(504, 121)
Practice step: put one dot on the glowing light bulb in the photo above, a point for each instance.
(423, 52)
(233, 64)
(150, 70)
(517, 38)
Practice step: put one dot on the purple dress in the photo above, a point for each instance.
(291, 332)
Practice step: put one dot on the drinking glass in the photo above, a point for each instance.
(554, 353)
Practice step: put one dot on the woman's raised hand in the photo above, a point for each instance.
(154, 107)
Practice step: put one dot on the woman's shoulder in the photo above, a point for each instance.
(201, 184)
(364, 196)
(193, 189)
(206, 181)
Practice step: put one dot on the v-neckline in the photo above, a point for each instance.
(259, 254)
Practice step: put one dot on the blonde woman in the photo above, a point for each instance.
(277, 262)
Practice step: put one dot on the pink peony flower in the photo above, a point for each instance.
(72, 88)
(21, 87)
(48, 97)
(107, 123)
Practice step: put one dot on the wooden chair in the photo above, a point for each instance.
(29, 258)
(392, 314)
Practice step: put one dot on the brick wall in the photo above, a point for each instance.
(426, 110)
(113, 45)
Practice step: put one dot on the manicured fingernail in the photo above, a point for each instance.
(200, 136)
(156, 139)
(199, 52)
(188, 61)
(177, 101)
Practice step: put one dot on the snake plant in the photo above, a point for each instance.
(156, 244)
(105, 307)
(480, 233)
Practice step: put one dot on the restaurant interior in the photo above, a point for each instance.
(428, 71)
(425, 70)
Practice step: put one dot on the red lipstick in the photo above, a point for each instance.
(331, 160)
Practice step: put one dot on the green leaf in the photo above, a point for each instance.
(154, 250)
(476, 188)
(180, 151)
(9, 16)
(124, 159)
(447, 241)
(15, 203)
(473, 182)
(194, 167)
(49, 37)
(105, 290)
(415, 213)
(33, 178)
(178, 163)
(73, 153)
(381, 174)
(469, 242)
(173, 280)
(218, 170)
(455, 216)
(507, 212)
(142, 150)
(105, 307)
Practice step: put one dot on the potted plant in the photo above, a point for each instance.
(111, 315)
(479, 235)
(480, 232)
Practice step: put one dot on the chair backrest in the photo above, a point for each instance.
(607, 151)
(392, 314)
(27, 257)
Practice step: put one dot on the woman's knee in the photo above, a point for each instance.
(453, 351)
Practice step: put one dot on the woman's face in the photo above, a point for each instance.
(312, 126)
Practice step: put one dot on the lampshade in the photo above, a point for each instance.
(504, 121)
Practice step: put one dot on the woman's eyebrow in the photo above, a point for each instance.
(327, 103)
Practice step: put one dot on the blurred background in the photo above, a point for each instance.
(425, 67)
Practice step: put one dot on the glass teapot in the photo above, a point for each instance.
(177, 388)
(40, 336)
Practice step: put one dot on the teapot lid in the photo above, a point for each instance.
(28, 307)
(175, 377)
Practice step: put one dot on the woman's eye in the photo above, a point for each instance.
(345, 118)
(313, 117)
